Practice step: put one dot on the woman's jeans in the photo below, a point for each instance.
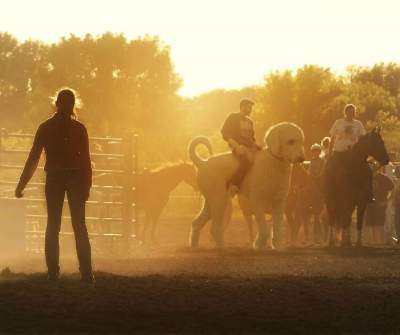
(57, 184)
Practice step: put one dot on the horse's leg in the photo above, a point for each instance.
(227, 215)
(396, 238)
(247, 215)
(317, 227)
(307, 228)
(198, 223)
(156, 213)
(145, 227)
(289, 222)
(153, 229)
(249, 221)
(346, 223)
(323, 219)
(277, 221)
(331, 226)
(296, 221)
(263, 230)
(289, 213)
(217, 218)
(360, 223)
(263, 227)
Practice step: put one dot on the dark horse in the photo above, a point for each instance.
(346, 188)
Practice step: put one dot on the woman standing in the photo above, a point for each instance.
(68, 170)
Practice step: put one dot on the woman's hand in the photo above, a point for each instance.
(19, 192)
(87, 194)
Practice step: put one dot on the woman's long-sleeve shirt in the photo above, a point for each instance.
(66, 144)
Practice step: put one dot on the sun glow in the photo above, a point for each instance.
(226, 44)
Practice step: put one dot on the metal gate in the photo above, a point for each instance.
(112, 216)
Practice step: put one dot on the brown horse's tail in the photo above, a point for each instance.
(192, 150)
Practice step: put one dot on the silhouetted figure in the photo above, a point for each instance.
(314, 191)
(238, 131)
(325, 144)
(344, 134)
(68, 170)
(376, 211)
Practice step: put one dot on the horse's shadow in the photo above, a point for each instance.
(345, 252)
(364, 251)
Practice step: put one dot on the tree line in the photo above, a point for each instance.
(132, 85)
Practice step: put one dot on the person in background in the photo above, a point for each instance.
(396, 205)
(390, 227)
(325, 144)
(238, 131)
(317, 163)
(376, 211)
(344, 134)
(316, 171)
(68, 171)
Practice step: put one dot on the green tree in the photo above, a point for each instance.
(305, 98)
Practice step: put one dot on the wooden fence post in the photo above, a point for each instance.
(2, 132)
(136, 186)
(128, 186)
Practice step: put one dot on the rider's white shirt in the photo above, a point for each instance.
(346, 133)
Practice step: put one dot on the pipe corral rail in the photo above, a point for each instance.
(111, 210)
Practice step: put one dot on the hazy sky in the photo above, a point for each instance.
(221, 43)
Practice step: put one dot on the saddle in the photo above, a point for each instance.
(249, 154)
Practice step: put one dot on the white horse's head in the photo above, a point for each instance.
(285, 141)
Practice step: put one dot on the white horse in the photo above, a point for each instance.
(266, 184)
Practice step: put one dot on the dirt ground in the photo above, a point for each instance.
(235, 290)
(172, 289)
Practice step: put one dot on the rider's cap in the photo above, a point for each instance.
(315, 146)
(246, 101)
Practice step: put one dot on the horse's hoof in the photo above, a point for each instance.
(194, 239)
(332, 243)
(259, 246)
(193, 246)
(346, 244)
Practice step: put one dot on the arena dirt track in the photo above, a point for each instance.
(169, 290)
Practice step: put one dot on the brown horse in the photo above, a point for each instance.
(305, 202)
(153, 190)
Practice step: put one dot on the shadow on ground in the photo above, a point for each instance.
(196, 303)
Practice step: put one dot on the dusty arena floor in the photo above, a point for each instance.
(237, 290)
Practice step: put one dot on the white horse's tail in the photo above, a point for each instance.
(193, 146)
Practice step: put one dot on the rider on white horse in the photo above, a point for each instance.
(238, 131)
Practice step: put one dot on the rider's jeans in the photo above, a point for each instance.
(240, 173)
